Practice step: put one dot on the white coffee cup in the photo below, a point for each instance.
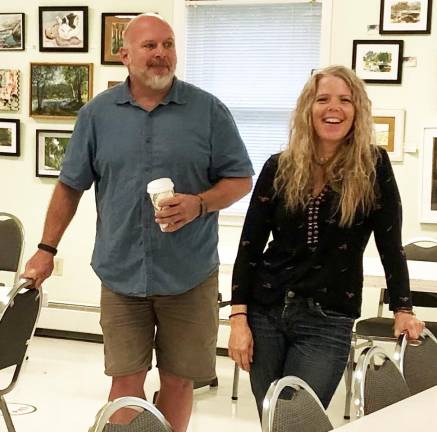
(158, 190)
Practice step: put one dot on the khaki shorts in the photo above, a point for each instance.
(183, 328)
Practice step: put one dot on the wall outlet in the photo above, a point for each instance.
(58, 268)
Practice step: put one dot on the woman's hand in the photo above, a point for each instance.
(409, 324)
(240, 345)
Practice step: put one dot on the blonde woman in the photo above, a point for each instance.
(295, 302)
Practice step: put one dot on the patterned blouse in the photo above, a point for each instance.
(311, 255)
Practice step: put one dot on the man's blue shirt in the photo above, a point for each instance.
(190, 137)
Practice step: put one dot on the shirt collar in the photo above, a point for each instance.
(176, 94)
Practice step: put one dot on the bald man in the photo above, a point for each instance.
(158, 288)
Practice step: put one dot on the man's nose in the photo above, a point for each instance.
(160, 51)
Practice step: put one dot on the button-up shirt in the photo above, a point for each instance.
(120, 147)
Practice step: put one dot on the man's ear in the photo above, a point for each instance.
(124, 55)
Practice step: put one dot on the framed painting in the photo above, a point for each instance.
(378, 61)
(50, 151)
(11, 31)
(9, 90)
(429, 176)
(63, 28)
(405, 17)
(113, 83)
(59, 90)
(389, 131)
(113, 26)
(9, 137)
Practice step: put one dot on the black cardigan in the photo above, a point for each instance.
(311, 254)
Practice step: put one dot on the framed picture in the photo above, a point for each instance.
(50, 151)
(113, 83)
(11, 31)
(113, 26)
(405, 17)
(9, 137)
(63, 28)
(59, 90)
(9, 90)
(389, 131)
(429, 176)
(378, 61)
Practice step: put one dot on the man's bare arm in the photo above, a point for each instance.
(62, 208)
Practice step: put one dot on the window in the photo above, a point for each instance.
(256, 59)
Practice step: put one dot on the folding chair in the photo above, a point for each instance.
(302, 412)
(19, 313)
(417, 361)
(11, 245)
(380, 328)
(150, 420)
(378, 382)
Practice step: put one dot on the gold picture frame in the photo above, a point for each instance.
(59, 90)
(389, 131)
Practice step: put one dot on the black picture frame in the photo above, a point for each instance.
(113, 24)
(12, 31)
(63, 28)
(49, 153)
(395, 19)
(378, 61)
(9, 142)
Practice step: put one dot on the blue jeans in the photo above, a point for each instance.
(299, 339)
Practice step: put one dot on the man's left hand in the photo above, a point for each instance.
(178, 211)
(409, 324)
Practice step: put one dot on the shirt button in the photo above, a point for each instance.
(317, 304)
(290, 294)
(148, 140)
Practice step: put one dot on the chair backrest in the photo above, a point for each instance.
(300, 412)
(11, 244)
(19, 313)
(150, 420)
(378, 382)
(419, 249)
(418, 361)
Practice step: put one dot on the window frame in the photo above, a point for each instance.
(179, 18)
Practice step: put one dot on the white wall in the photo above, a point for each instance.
(27, 196)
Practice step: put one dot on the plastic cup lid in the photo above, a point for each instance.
(160, 185)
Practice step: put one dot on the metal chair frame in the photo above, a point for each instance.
(366, 358)
(272, 395)
(111, 407)
(401, 347)
(5, 303)
(371, 339)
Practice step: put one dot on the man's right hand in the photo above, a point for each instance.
(39, 267)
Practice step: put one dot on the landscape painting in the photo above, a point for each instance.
(59, 90)
(50, 151)
(11, 31)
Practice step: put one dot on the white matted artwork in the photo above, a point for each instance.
(389, 131)
(429, 177)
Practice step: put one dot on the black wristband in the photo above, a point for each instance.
(48, 248)
(236, 314)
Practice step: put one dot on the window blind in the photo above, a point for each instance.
(256, 59)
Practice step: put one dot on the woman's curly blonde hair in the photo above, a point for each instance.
(351, 172)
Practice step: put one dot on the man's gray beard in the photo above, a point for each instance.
(159, 82)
